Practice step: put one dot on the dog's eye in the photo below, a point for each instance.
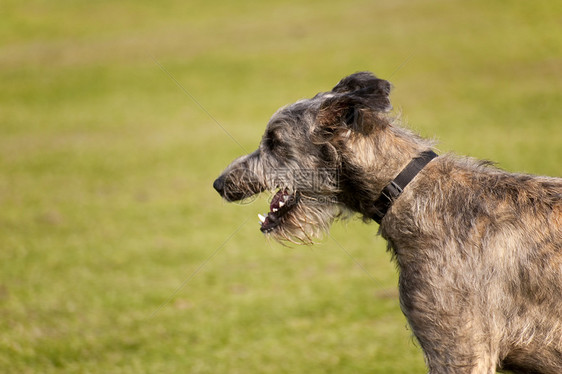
(273, 140)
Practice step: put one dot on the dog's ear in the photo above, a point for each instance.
(373, 91)
(355, 101)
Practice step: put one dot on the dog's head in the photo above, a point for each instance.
(321, 157)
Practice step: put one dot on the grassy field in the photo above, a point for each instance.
(116, 256)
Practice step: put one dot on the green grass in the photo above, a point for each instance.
(116, 256)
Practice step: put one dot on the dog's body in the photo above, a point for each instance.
(480, 258)
(479, 250)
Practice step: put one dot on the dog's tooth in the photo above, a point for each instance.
(275, 209)
(281, 204)
(262, 218)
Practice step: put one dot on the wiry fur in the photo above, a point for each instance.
(479, 250)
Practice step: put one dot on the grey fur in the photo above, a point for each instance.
(479, 249)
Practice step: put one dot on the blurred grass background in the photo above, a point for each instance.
(116, 256)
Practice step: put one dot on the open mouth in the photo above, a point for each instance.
(281, 203)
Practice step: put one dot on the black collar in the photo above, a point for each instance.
(395, 188)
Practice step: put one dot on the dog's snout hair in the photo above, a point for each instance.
(479, 250)
(242, 179)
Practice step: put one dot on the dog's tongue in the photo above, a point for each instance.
(278, 200)
(280, 204)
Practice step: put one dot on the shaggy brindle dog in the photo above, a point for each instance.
(479, 249)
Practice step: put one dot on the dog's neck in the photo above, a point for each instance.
(393, 190)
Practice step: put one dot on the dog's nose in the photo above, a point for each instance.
(218, 185)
